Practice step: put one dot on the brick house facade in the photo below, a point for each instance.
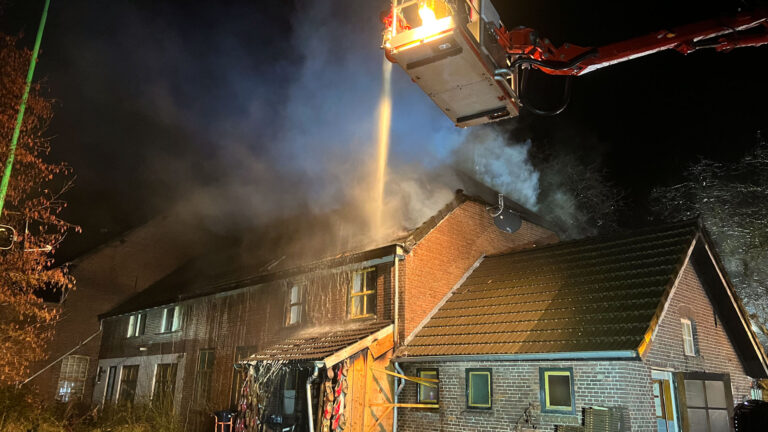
(649, 387)
(105, 277)
(226, 318)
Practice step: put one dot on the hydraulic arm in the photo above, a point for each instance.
(473, 68)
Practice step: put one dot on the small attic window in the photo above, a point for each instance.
(362, 293)
(171, 319)
(689, 342)
(294, 310)
(137, 324)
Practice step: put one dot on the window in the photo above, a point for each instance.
(708, 402)
(171, 319)
(362, 294)
(109, 394)
(165, 384)
(689, 342)
(428, 393)
(136, 324)
(556, 390)
(479, 388)
(290, 387)
(294, 305)
(128, 379)
(204, 375)
(74, 370)
(238, 374)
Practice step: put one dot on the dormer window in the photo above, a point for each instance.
(137, 324)
(294, 309)
(362, 294)
(171, 319)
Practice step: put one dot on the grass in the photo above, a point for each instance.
(21, 411)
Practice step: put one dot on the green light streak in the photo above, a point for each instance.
(22, 108)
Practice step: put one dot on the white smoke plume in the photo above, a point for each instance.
(489, 156)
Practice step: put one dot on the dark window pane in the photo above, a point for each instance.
(142, 323)
(168, 319)
(694, 393)
(479, 389)
(128, 378)
(165, 385)
(559, 390)
(370, 280)
(370, 304)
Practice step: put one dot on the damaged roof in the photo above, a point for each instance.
(320, 344)
(590, 295)
(267, 260)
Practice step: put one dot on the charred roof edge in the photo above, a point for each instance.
(226, 287)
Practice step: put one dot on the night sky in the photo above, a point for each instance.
(150, 93)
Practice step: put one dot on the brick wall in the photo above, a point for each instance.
(442, 258)
(617, 384)
(715, 351)
(107, 276)
(248, 318)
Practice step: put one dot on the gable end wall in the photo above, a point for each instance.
(716, 353)
(441, 259)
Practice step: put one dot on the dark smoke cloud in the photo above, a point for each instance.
(240, 113)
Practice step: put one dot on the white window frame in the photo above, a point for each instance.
(175, 325)
(689, 344)
(134, 324)
(72, 377)
(298, 304)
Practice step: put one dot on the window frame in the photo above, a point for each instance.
(289, 305)
(468, 384)
(76, 376)
(418, 391)
(687, 327)
(544, 372)
(137, 325)
(204, 377)
(165, 395)
(121, 384)
(175, 320)
(682, 395)
(240, 353)
(364, 293)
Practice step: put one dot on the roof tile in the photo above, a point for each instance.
(594, 294)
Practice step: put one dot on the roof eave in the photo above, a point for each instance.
(580, 355)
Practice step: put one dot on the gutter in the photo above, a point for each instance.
(583, 355)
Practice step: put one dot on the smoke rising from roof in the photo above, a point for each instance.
(260, 117)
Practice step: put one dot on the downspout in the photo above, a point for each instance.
(397, 392)
(396, 334)
(310, 380)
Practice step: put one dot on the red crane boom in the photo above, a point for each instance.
(473, 68)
